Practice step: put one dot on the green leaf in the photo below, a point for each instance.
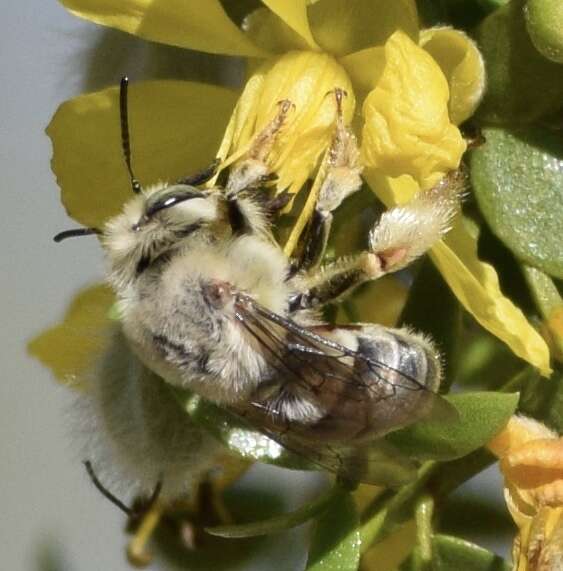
(517, 177)
(455, 554)
(278, 523)
(481, 416)
(336, 541)
(550, 306)
(522, 85)
(237, 435)
(544, 20)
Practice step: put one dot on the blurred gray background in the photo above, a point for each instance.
(51, 517)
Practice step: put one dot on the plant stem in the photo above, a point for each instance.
(281, 522)
(423, 516)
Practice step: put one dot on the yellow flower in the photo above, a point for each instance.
(413, 89)
(407, 128)
(531, 460)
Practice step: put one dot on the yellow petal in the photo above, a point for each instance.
(519, 430)
(462, 64)
(535, 463)
(268, 31)
(342, 27)
(305, 79)
(407, 128)
(200, 26)
(175, 129)
(539, 544)
(367, 306)
(294, 14)
(365, 67)
(474, 283)
(70, 348)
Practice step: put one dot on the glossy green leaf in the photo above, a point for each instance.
(281, 522)
(455, 554)
(544, 20)
(481, 416)
(522, 85)
(336, 541)
(237, 435)
(517, 177)
(549, 303)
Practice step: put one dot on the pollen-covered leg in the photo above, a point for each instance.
(403, 234)
(341, 179)
(406, 232)
(252, 169)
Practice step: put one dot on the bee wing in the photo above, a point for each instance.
(377, 462)
(359, 398)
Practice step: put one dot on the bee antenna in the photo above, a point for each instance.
(75, 232)
(125, 140)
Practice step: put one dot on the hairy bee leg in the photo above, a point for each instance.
(313, 248)
(342, 179)
(403, 234)
(202, 176)
(406, 232)
(252, 169)
(333, 282)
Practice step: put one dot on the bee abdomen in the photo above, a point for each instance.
(409, 361)
(402, 371)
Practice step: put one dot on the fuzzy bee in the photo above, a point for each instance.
(208, 302)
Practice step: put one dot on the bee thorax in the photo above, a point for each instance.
(181, 321)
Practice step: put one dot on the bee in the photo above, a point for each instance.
(209, 302)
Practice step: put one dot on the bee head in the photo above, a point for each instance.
(163, 218)
(153, 225)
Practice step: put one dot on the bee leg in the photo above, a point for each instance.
(406, 232)
(211, 506)
(252, 169)
(332, 282)
(137, 553)
(312, 249)
(202, 176)
(342, 178)
(205, 508)
(403, 234)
